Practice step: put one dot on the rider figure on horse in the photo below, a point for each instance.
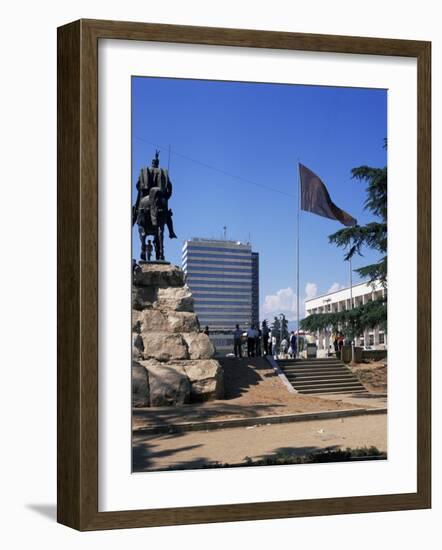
(151, 210)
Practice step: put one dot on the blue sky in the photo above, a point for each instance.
(235, 148)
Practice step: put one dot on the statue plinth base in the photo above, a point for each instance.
(173, 361)
(149, 262)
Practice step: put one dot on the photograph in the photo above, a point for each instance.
(259, 273)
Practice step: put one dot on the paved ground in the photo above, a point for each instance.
(198, 449)
(369, 401)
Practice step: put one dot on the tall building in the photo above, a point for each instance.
(224, 279)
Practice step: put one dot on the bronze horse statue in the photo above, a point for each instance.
(151, 210)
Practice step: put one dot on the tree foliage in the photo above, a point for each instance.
(351, 322)
(280, 328)
(373, 234)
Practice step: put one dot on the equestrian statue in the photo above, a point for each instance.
(151, 210)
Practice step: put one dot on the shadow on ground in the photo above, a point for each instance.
(197, 412)
(144, 453)
(241, 374)
(144, 457)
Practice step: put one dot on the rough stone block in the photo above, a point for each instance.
(174, 299)
(206, 379)
(164, 346)
(140, 386)
(199, 345)
(137, 346)
(158, 275)
(142, 297)
(182, 321)
(153, 320)
(136, 321)
(168, 384)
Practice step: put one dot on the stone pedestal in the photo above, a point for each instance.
(172, 360)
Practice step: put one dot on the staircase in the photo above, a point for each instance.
(318, 376)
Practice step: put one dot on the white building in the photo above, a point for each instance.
(340, 301)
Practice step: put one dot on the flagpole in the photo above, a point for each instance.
(351, 285)
(297, 259)
(351, 307)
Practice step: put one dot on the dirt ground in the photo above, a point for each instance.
(252, 389)
(373, 375)
(252, 381)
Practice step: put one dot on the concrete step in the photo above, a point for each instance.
(328, 374)
(319, 376)
(326, 384)
(300, 384)
(315, 360)
(324, 376)
(309, 363)
(359, 392)
(313, 369)
(318, 372)
(335, 390)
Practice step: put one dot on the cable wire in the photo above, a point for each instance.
(219, 170)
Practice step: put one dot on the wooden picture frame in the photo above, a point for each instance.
(78, 274)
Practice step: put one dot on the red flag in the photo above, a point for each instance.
(315, 198)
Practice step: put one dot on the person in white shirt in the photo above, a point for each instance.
(284, 346)
(274, 346)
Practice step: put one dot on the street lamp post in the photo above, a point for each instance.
(282, 317)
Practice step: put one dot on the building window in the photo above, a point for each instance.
(381, 338)
(370, 339)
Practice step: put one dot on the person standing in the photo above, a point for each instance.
(284, 347)
(206, 330)
(265, 337)
(274, 346)
(293, 345)
(237, 335)
(336, 345)
(251, 342)
(340, 345)
(258, 337)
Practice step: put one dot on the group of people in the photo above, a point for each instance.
(289, 346)
(263, 342)
(256, 340)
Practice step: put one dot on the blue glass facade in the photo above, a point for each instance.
(222, 276)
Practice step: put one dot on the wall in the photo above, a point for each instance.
(28, 127)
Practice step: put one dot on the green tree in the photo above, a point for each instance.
(276, 328)
(280, 328)
(351, 322)
(373, 234)
(285, 327)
